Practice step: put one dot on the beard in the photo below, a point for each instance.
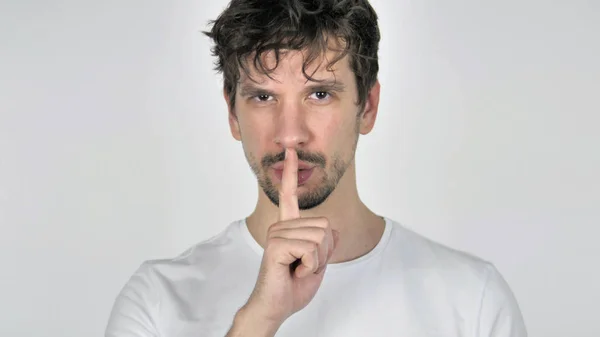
(319, 194)
(316, 195)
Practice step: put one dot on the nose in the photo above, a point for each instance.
(291, 127)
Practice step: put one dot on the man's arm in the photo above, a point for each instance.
(499, 314)
(247, 324)
(132, 312)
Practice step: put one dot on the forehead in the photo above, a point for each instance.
(296, 65)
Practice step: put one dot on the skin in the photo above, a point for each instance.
(321, 221)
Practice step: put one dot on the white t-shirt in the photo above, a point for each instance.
(406, 286)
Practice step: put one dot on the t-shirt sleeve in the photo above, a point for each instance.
(134, 309)
(499, 314)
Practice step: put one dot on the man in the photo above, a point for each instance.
(300, 83)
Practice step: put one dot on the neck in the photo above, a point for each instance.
(360, 229)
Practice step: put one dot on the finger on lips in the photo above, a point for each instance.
(311, 246)
(288, 196)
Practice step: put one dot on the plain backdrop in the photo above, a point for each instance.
(115, 148)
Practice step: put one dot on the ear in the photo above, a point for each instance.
(234, 124)
(369, 114)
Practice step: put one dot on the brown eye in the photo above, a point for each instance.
(262, 98)
(321, 95)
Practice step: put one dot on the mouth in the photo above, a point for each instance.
(304, 174)
(301, 166)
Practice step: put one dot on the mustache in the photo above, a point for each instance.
(313, 158)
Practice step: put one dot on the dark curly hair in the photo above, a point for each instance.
(250, 28)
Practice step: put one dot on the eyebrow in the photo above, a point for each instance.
(327, 85)
(251, 89)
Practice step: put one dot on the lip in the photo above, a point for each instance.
(303, 175)
(301, 166)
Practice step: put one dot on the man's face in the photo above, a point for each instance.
(320, 120)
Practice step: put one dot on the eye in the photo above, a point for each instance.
(320, 95)
(262, 98)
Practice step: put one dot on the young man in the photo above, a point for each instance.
(312, 259)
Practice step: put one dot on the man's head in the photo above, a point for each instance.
(300, 74)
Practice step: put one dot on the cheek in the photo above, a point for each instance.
(336, 132)
(255, 135)
(248, 128)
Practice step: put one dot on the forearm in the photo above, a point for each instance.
(247, 324)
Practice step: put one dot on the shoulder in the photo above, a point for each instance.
(454, 273)
(417, 251)
(201, 256)
(147, 281)
(428, 264)
(148, 289)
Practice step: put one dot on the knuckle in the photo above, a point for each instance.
(323, 222)
(274, 227)
(321, 234)
(273, 243)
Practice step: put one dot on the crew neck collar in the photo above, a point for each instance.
(249, 239)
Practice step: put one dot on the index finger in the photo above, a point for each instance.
(288, 193)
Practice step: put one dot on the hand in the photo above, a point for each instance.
(295, 257)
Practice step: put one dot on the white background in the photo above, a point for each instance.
(114, 148)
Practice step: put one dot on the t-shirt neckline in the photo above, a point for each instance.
(387, 232)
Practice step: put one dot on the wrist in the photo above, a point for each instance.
(249, 323)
